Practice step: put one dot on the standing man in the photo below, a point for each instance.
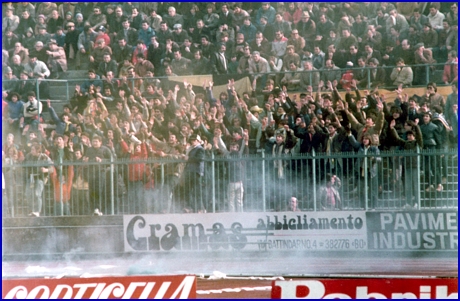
(36, 177)
(193, 175)
(62, 176)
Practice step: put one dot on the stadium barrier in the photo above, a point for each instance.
(393, 180)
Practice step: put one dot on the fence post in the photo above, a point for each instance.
(263, 181)
(368, 78)
(427, 71)
(417, 193)
(37, 90)
(67, 91)
(314, 178)
(112, 197)
(213, 183)
(366, 196)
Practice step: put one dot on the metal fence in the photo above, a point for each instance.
(431, 73)
(393, 180)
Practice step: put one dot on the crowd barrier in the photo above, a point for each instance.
(433, 73)
(397, 180)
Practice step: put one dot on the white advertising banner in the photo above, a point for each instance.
(272, 231)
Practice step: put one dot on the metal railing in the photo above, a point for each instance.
(393, 180)
(71, 83)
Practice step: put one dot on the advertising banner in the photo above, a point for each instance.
(413, 230)
(129, 287)
(377, 288)
(272, 231)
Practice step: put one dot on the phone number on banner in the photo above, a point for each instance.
(312, 244)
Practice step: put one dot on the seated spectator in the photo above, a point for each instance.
(402, 74)
(306, 28)
(97, 18)
(268, 30)
(10, 20)
(248, 30)
(258, 68)
(173, 18)
(91, 81)
(180, 65)
(21, 51)
(199, 65)
(107, 65)
(450, 74)
(347, 77)
(377, 75)
(309, 77)
(331, 73)
(16, 65)
(435, 17)
(43, 35)
(291, 78)
(429, 36)
(54, 22)
(179, 35)
(57, 61)
(136, 18)
(418, 20)
(145, 33)
(36, 68)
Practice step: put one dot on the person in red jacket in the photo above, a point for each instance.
(138, 173)
(347, 77)
(451, 68)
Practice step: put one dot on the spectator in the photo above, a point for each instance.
(97, 174)
(56, 59)
(108, 64)
(218, 61)
(85, 46)
(450, 74)
(266, 10)
(199, 65)
(432, 97)
(46, 9)
(422, 56)
(418, 20)
(25, 23)
(239, 15)
(331, 72)
(179, 35)
(431, 139)
(173, 18)
(10, 21)
(129, 34)
(268, 30)
(248, 30)
(309, 76)
(377, 75)
(435, 17)
(97, 18)
(279, 44)
(429, 36)
(36, 68)
(397, 20)
(329, 196)
(122, 51)
(293, 205)
(402, 74)
(23, 86)
(54, 22)
(258, 68)
(291, 78)
(193, 175)
(180, 65)
(61, 176)
(306, 28)
(136, 18)
(367, 147)
(36, 177)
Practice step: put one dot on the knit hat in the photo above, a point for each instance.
(78, 15)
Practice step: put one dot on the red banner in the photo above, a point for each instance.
(375, 288)
(129, 287)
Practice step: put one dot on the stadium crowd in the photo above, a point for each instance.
(126, 109)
